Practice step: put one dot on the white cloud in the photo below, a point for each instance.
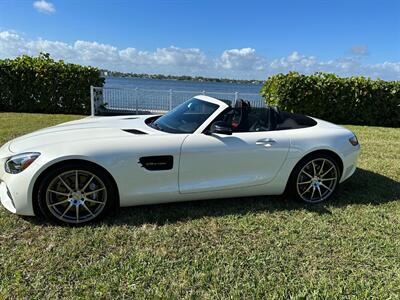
(295, 62)
(359, 50)
(57, 49)
(11, 44)
(244, 59)
(95, 52)
(233, 63)
(347, 66)
(44, 6)
(171, 59)
(385, 70)
(174, 56)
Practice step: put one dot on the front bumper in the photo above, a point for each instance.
(6, 197)
(15, 189)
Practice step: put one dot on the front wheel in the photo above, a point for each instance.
(76, 194)
(315, 178)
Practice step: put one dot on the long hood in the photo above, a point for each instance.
(91, 128)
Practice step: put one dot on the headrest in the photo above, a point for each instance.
(274, 117)
(240, 103)
(240, 112)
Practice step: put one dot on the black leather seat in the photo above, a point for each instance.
(240, 119)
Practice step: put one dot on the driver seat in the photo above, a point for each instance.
(273, 117)
(240, 119)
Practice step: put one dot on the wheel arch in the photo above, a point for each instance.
(57, 164)
(332, 153)
(329, 152)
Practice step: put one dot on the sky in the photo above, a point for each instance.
(235, 39)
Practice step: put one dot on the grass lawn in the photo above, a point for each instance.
(263, 247)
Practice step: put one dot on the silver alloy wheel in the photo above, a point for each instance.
(76, 196)
(317, 180)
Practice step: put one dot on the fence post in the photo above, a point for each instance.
(136, 100)
(91, 101)
(170, 99)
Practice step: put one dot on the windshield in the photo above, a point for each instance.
(185, 118)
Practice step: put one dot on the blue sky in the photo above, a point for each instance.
(238, 39)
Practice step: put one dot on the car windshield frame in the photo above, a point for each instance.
(185, 118)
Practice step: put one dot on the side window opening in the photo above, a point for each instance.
(244, 118)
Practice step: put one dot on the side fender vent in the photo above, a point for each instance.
(134, 131)
(157, 163)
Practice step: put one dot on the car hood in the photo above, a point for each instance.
(91, 128)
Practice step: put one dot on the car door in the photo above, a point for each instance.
(212, 162)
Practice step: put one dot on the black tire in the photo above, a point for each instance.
(45, 198)
(298, 186)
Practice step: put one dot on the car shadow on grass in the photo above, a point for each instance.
(363, 188)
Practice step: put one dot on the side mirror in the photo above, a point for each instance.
(221, 127)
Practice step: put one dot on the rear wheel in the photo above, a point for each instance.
(315, 178)
(76, 194)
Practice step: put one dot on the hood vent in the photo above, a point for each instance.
(134, 131)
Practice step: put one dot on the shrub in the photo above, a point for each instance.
(41, 84)
(354, 100)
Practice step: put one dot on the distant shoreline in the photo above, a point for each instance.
(106, 73)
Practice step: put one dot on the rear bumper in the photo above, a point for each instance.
(350, 162)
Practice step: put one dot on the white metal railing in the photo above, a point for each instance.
(108, 100)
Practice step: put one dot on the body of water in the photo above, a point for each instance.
(181, 85)
(153, 95)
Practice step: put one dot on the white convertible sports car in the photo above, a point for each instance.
(79, 171)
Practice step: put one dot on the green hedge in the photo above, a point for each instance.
(40, 84)
(354, 100)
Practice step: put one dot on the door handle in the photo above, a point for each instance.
(266, 142)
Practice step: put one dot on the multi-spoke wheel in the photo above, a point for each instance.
(75, 194)
(315, 178)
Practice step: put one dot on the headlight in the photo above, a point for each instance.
(20, 162)
(353, 140)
